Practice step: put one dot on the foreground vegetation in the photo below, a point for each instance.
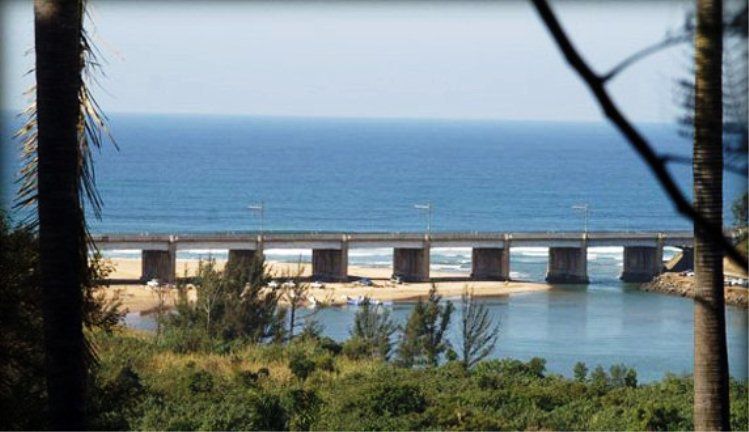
(311, 384)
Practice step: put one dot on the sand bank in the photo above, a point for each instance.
(137, 298)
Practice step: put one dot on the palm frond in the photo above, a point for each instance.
(93, 131)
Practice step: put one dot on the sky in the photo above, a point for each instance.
(479, 60)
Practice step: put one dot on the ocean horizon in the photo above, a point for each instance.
(196, 173)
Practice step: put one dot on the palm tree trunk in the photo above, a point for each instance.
(711, 404)
(57, 25)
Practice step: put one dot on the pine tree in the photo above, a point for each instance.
(423, 339)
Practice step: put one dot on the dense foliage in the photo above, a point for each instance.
(231, 307)
(311, 384)
(23, 391)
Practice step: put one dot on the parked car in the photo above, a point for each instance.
(317, 285)
(288, 284)
(365, 282)
(396, 278)
(273, 284)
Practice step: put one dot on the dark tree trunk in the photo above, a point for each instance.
(711, 404)
(57, 25)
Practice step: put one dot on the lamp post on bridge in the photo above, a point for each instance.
(586, 214)
(428, 209)
(259, 209)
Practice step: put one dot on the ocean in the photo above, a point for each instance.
(199, 173)
(178, 174)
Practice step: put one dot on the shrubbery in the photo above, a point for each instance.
(305, 385)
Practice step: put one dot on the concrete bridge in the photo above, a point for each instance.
(643, 251)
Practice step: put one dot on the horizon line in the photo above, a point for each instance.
(16, 112)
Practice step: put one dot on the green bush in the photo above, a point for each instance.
(201, 382)
(138, 392)
(330, 345)
(301, 366)
(303, 407)
(357, 348)
(397, 399)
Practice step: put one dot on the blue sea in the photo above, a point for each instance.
(199, 173)
(177, 174)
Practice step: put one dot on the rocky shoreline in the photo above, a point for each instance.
(682, 285)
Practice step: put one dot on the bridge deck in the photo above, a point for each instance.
(328, 240)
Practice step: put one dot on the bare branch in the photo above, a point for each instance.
(657, 165)
(639, 55)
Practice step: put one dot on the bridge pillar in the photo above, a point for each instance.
(159, 264)
(490, 263)
(642, 263)
(568, 265)
(412, 264)
(240, 259)
(330, 264)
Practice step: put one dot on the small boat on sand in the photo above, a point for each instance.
(360, 300)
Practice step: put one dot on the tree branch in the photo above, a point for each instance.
(657, 165)
(639, 55)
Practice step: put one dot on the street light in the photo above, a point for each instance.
(427, 208)
(260, 210)
(586, 212)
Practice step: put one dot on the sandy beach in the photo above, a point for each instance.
(137, 298)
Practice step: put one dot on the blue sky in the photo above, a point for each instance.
(443, 60)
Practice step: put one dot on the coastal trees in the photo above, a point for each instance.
(146, 386)
(711, 404)
(423, 339)
(62, 237)
(580, 371)
(210, 290)
(251, 308)
(478, 332)
(22, 386)
(294, 292)
(64, 124)
(23, 389)
(372, 333)
(231, 304)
